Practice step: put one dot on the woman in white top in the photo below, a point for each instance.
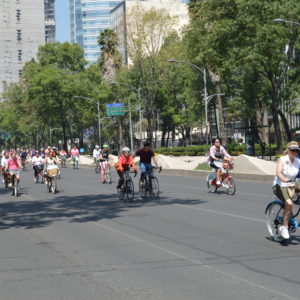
(284, 183)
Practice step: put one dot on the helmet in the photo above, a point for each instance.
(97, 147)
(53, 148)
(105, 146)
(125, 149)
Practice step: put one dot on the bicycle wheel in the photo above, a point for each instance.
(211, 188)
(129, 191)
(143, 187)
(53, 185)
(16, 190)
(231, 186)
(154, 188)
(274, 215)
(107, 176)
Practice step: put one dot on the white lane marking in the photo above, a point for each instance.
(28, 197)
(195, 261)
(222, 213)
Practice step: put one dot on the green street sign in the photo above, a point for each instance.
(115, 109)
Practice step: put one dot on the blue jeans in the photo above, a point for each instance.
(145, 169)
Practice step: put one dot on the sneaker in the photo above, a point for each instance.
(9, 185)
(218, 182)
(284, 232)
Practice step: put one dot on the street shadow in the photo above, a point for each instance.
(82, 208)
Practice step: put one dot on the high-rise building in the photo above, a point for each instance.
(88, 19)
(50, 27)
(24, 26)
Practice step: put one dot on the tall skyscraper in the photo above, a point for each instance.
(24, 26)
(88, 19)
(50, 27)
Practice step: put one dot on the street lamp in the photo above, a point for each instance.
(52, 129)
(99, 120)
(286, 21)
(138, 92)
(205, 94)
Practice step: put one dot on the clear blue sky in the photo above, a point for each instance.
(62, 21)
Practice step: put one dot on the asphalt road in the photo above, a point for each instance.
(83, 243)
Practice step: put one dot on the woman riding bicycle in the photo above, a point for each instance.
(13, 165)
(75, 156)
(104, 161)
(37, 164)
(217, 153)
(124, 163)
(51, 163)
(284, 185)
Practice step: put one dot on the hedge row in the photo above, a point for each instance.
(233, 149)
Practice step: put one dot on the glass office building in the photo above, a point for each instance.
(88, 19)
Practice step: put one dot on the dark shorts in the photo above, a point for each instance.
(212, 165)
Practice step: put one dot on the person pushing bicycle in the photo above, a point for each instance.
(146, 155)
(124, 163)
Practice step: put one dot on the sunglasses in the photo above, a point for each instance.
(293, 150)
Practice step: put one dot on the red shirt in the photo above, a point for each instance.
(13, 164)
(124, 163)
(145, 156)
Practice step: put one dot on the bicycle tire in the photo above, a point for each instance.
(129, 191)
(143, 188)
(274, 215)
(211, 188)
(53, 186)
(231, 186)
(16, 190)
(107, 176)
(154, 189)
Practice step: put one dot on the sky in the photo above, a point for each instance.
(62, 21)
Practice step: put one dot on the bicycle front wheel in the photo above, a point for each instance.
(274, 215)
(231, 188)
(154, 188)
(143, 187)
(129, 191)
(53, 186)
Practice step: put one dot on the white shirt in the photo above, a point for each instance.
(289, 171)
(36, 161)
(3, 161)
(96, 153)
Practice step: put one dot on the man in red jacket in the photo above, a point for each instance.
(124, 163)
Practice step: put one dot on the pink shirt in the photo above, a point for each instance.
(213, 151)
(74, 152)
(12, 164)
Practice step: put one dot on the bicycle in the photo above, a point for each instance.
(5, 177)
(126, 192)
(51, 180)
(226, 179)
(98, 167)
(24, 164)
(40, 174)
(107, 177)
(14, 186)
(75, 162)
(63, 161)
(274, 215)
(150, 185)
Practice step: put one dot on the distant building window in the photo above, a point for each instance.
(18, 15)
(19, 55)
(20, 73)
(19, 34)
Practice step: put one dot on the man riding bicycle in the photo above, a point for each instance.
(4, 160)
(146, 155)
(217, 153)
(96, 153)
(104, 160)
(124, 163)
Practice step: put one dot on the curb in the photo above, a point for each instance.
(203, 174)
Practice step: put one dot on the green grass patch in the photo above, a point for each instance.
(204, 167)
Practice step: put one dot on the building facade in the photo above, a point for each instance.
(121, 17)
(88, 19)
(23, 28)
(50, 27)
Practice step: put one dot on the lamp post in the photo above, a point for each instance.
(98, 115)
(138, 93)
(205, 94)
(286, 21)
(51, 130)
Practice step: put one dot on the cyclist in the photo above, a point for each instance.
(217, 153)
(63, 155)
(4, 159)
(104, 160)
(23, 155)
(54, 151)
(37, 164)
(124, 163)
(42, 153)
(146, 155)
(284, 185)
(13, 165)
(50, 163)
(96, 153)
(75, 155)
